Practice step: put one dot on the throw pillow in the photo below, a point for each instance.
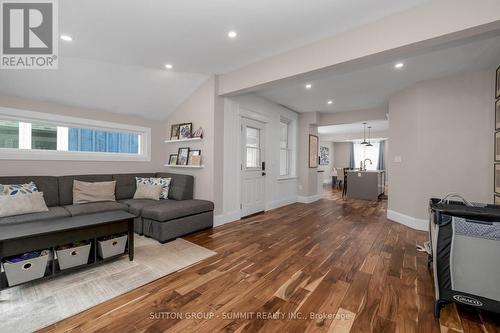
(11, 205)
(15, 189)
(164, 182)
(84, 192)
(146, 191)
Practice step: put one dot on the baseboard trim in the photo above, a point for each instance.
(227, 218)
(280, 203)
(310, 199)
(412, 222)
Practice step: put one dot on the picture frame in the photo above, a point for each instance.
(193, 152)
(313, 151)
(497, 178)
(198, 133)
(196, 160)
(172, 159)
(324, 155)
(174, 132)
(182, 156)
(497, 115)
(497, 146)
(497, 84)
(185, 130)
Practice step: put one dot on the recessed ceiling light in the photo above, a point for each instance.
(66, 38)
(330, 102)
(308, 86)
(169, 66)
(399, 65)
(232, 34)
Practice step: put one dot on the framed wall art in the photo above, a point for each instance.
(313, 151)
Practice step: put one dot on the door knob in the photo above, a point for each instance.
(263, 174)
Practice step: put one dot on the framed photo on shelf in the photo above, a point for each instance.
(185, 130)
(497, 146)
(174, 132)
(198, 133)
(497, 179)
(182, 156)
(497, 115)
(173, 159)
(497, 84)
(196, 160)
(313, 151)
(194, 152)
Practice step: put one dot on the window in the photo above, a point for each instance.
(361, 152)
(284, 148)
(253, 147)
(45, 136)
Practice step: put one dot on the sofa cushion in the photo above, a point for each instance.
(12, 205)
(95, 207)
(52, 213)
(135, 206)
(181, 186)
(169, 209)
(66, 185)
(126, 184)
(46, 184)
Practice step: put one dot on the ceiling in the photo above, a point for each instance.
(115, 61)
(354, 131)
(376, 126)
(371, 87)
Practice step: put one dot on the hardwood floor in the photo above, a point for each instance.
(342, 261)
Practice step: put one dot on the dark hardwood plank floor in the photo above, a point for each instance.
(342, 261)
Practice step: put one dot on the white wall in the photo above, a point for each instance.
(279, 192)
(342, 154)
(327, 169)
(443, 131)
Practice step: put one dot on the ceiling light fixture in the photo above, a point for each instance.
(364, 135)
(399, 65)
(330, 102)
(232, 34)
(66, 38)
(308, 86)
(169, 66)
(369, 144)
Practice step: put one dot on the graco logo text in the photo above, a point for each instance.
(29, 34)
(467, 300)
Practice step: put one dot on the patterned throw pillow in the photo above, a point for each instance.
(16, 189)
(164, 182)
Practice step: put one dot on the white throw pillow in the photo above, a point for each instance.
(11, 205)
(84, 192)
(164, 182)
(146, 191)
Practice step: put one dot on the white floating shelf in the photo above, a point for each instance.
(183, 140)
(185, 166)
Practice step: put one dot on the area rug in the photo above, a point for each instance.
(30, 307)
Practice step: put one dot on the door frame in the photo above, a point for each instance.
(244, 112)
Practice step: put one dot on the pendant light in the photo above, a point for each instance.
(364, 135)
(369, 144)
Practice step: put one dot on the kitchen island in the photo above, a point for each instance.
(366, 185)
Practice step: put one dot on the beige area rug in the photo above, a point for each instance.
(30, 307)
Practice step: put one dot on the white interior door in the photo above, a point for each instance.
(253, 171)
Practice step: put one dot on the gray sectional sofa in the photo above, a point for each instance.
(162, 220)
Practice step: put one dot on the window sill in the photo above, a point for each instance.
(287, 178)
(51, 155)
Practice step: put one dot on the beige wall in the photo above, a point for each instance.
(200, 109)
(57, 168)
(308, 177)
(342, 154)
(443, 132)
